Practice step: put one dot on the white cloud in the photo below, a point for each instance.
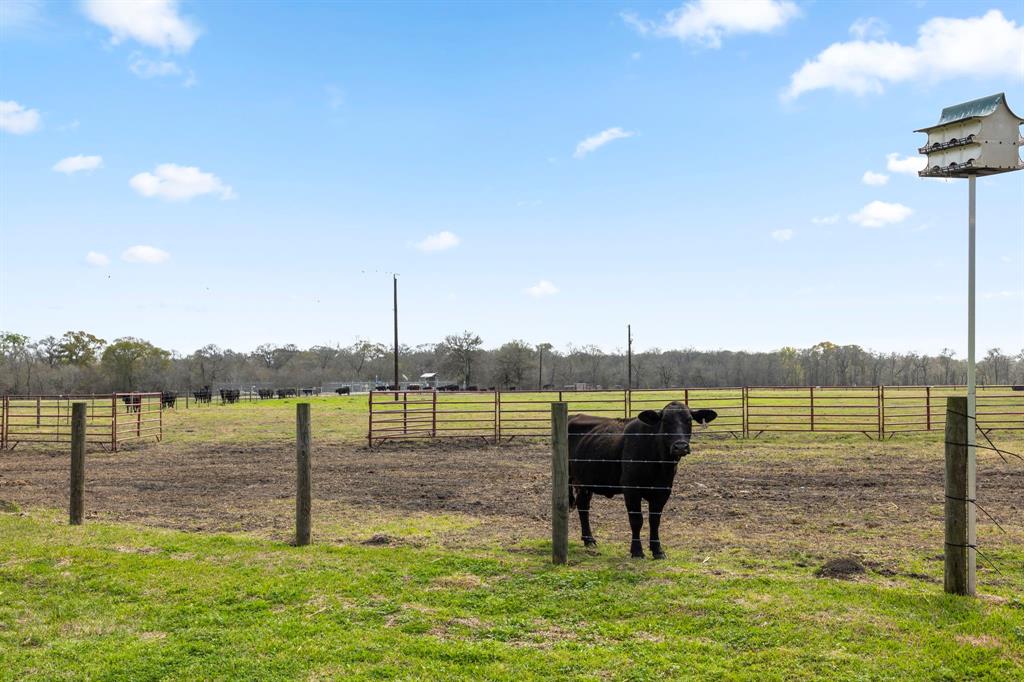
(16, 119)
(874, 179)
(879, 213)
(173, 182)
(602, 138)
(74, 164)
(826, 220)
(147, 68)
(909, 165)
(782, 235)
(994, 295)
(542, 288)
(155, 23)
(97, 259)
(442, 241)
(869, 27)
(144, 254)
(985, 46)
(20, 13)
(706, 21)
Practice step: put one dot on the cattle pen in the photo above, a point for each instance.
(878, 412)
(112, 419)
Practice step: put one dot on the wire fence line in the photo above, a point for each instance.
(878, 412)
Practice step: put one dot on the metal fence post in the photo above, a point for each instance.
(497, 416)
(303, 475)
(881, 412)
(559, 483)
(745, 407)
(77, 463)
(369, 431)
(960, 540)
(433, 416)
(38, 411)
(113, 422)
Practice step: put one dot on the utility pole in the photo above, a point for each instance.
(540, 367)
(629, 357)
(395, 282)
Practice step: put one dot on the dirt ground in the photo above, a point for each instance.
(859, 495)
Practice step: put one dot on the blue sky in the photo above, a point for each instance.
(549, 172)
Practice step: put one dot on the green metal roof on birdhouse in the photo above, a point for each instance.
(980, 137)
(976, 108)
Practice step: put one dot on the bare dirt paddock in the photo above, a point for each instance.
(846, 495)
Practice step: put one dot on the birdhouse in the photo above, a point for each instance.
(980, 137)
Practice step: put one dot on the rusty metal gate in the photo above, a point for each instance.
(111, 419)
(748, 411)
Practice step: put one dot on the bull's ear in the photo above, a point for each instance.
(650, 417)
(704, 416)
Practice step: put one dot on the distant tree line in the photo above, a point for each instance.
(79, 362)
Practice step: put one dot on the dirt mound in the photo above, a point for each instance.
(843, 568)
(378, 539)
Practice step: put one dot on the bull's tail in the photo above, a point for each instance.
(572, 498)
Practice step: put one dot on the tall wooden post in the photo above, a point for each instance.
(303, 475)
(961, 557)
(77, 463)
(559, 483)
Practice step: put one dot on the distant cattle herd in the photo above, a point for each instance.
(228, 396)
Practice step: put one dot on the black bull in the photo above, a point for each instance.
(636, 458)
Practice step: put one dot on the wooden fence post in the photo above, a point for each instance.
(559, 483)
(77, 463)
(928, 405)
(960, 577)
(303, 475)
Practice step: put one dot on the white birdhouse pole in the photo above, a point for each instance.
(980, 137)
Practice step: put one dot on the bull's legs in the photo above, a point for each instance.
(654, 509)
(636, 524)
(583, 498)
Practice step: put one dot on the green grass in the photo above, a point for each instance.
(450, 598)
(118, 602)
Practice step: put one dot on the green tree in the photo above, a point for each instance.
(79, 348)
(458, 351)
(512, 360)
(128, 359)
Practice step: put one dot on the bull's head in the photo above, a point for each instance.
(675, 424)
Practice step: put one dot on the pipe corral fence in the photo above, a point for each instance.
(743, 412)
(112, 419)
